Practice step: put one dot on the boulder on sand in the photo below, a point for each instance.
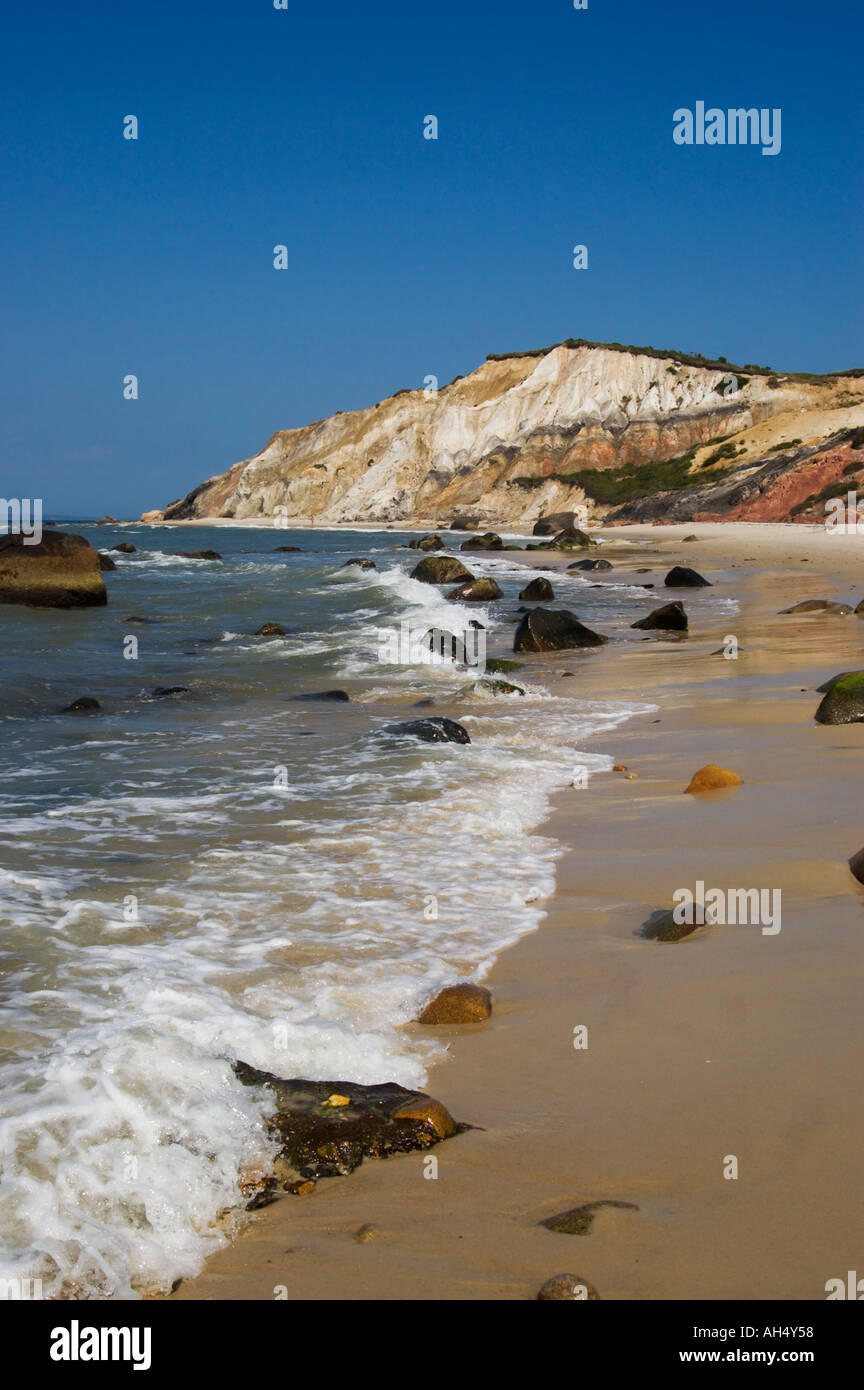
(550, 630)
(819, 605)
(670, 618)
(555, 522)
(590, 565)
(844, 701)
(480, 590)
(712, 778)
(680, 577)
(62, 571)
(441, 569)
(856, 864)
(488, 541)
(538, 591)
(462, 1003)
(571, 538)
(567, 1288)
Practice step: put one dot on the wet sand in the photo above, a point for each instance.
(729, 1043)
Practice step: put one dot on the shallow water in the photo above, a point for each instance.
(233, 873)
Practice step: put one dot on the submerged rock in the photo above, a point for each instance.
(364, 564)
(548, 630)
(285, 549)
(680, 577)
(441, 569)
(567, 1288)
(320, 1141)
(270, 630)
(496, 687)
(462, 1003)
(62, 571)
(497, 663)
(670, 618)
(538, 591)
(84, 705)
(579, 1220)
(712, 777)
(165, 692)
(663, 925)
(435, 730)
(819, 605)
(341, 695)
(198, 554)
(488, 541)
(591, 565)
(480, 590)
(844, 702)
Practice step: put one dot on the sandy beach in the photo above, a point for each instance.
(731, 1044)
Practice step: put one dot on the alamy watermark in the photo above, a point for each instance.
(23, 517)
(737, 126)
(755, 907)
(408, 645)
(844, 516)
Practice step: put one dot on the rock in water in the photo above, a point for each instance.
(538, 591)
(480, 590)
(664, 926)
(567, 1288)
(819, 605)
(322, 1141)
(285, 549)
(680, 577)
(62, 571)
(361, 564)
(571, 538)
(270, 630)
(441, 569)
(463, 1003)
(670, 618)
(844, 702)
(338, 695)
(166, 692)
(198, 554)
(125, 548)
(548, 630)
(105, 562)
(433, 542)
(434, 730)
(488, 541)
(712, 777)
(85, 705)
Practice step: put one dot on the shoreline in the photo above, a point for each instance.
(640, 1116)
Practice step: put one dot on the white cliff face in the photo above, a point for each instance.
(432, 454)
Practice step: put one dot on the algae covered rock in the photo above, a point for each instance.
(488, 541)
(482, 590)
(61, 571)
(844, 701)
(538, 591)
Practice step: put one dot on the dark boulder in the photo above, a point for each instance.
(590, 565)
(549, 630)
(856, 864)
(538, 590)
(270, 630)
(166, 692)
(670, 618)
(198, 554)
(125, 548)
(680, 577)
(441, 569)
(338, 695)
(106, 564)
(363, 564)
(434, 730)
(464, 523)
(488, 541)
(285, 549)
(85, 705)
(555, 522)
(62, 571)
(571, 538)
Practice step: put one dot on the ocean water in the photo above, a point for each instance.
(234, 873)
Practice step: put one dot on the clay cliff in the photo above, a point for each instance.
(526, 434)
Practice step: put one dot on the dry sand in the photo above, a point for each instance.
(732, 1042)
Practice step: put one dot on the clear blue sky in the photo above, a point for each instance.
(407, 256)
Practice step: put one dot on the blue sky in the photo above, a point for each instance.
(406, 256)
